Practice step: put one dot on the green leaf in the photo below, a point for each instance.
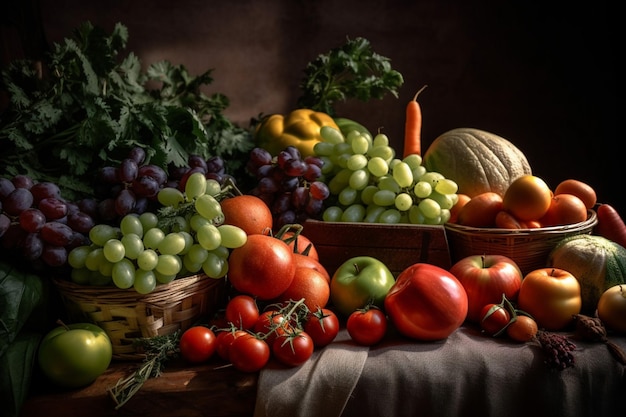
(90, 106)
(16, 370)
(21, 293)
(350, 71)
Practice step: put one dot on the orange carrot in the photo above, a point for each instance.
(610, 224)
(413, 127)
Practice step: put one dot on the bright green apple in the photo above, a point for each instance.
(360, 281)
(74, 355)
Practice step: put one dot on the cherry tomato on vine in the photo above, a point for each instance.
(367, 326)
(225, 339)
(271, 324)
(522, 329)
(242, 311)
(323, 326)
(249, 353)
(197, 344)
(494, 318)
(293, 349)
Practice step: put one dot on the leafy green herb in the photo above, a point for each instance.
(350, 71)
(87, 108)
(158, 349)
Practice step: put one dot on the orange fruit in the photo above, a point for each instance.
(454, 211)
(248, 212)
(505, 220)
(309, 284)
(580, 189)
(564, 209)
(481, 210)
(531, 224)
(527, 198)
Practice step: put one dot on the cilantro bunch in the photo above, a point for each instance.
(84, 106)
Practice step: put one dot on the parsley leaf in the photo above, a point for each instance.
(350, 71)
(85, 106)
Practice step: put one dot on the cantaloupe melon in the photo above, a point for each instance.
(478, 161)
(596, 262)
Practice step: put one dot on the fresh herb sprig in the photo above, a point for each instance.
(87, 107)
(158, 350)
(353, 70)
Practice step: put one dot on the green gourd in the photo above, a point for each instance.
(596, 262)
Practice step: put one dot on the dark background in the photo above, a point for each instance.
(544, 77)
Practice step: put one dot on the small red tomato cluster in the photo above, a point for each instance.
(288, 332)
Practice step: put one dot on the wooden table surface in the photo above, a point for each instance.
(212, 389)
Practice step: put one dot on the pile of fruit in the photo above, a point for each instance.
(150, 221)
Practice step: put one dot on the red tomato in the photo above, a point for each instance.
(271, 324)
(304, 244)
(303, 261)
(242, 311)
(494, 319)
(367, 326)
(323, 326)
(197, 344)
(293, 349)
(551, 296)
(485, 278)
(263, 267)
(426, 302)
(523, 329)
(310, 285)
(225, 339)
(248, 353)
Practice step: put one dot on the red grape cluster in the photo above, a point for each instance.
(38, 223)
(132, 186)
(213, 168)
(289, 184)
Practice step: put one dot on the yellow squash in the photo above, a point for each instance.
(300, 128)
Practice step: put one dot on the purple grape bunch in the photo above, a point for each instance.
(38, 224)
(290, 185)
(133, 185)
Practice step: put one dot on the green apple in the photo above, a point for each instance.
(74, 355)
(360, 281)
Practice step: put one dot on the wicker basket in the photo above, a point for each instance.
(529, 248)
(126, 315)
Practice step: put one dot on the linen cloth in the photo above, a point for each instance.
(465, 374)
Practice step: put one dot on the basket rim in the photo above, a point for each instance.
(71, 289)
(591, 221)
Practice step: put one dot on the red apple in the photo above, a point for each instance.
(485, 279)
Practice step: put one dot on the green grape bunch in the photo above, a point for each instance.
(185, 237)
(369, 184)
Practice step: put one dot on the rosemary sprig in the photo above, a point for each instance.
(158, 349)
